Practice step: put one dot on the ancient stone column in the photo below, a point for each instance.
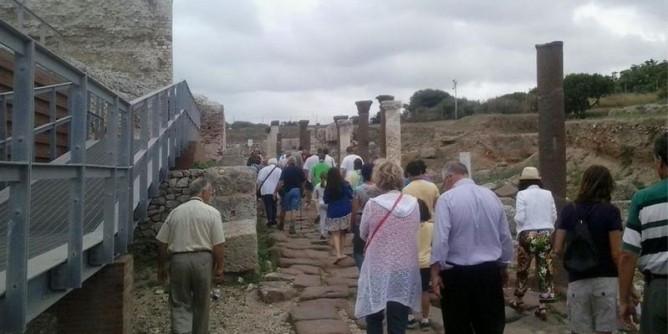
(363, 128)
(392, 130)
(381, 143)
(279, 143)
(339, 140)
(272, 139)
(465, 158)
(551, 132)
(304, 135)
(551, 117)
(345, 136)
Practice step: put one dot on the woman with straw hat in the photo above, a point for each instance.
(535, 216)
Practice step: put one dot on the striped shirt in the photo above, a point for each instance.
(646, 232)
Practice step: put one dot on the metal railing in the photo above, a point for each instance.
(40, 30)
(61, 221)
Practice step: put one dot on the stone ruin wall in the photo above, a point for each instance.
(213, 128)
(235, 199)
(126, 44)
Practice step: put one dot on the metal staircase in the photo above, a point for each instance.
(63, 220)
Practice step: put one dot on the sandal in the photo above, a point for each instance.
(546, 298)
(516, 305)
(541, 312)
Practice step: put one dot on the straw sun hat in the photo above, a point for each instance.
(530, 173)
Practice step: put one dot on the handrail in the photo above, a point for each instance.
(40, 90)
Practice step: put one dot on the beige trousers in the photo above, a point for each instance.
(190, 287)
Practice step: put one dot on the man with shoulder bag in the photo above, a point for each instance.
(267, 181)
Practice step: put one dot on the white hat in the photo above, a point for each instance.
(530, 173)
(273, 161)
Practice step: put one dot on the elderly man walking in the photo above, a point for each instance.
(471, 249)
(193, 235)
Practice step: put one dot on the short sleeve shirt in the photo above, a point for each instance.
(192, 226)
(292, 177)
(603, 219)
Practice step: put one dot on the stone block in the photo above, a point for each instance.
(290, 271)
(306, 269)
(236, 207)
(335, 291)
(350, 272)
(507, 190)
(240, 247)
(301, 313)
(338, 303)
(324, 326)
(304, 281)
(279, 277)
(232, 181)
(287, 262)
(428, 153)
(273, 292)
(183, 182)
(349, 282)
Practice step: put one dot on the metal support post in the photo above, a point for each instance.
(110, 186)
(78, 130)
(23, 116)
(125, 192)
(53, 142)
(4, 151)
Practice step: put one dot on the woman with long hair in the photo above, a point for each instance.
(338, 196)
(535, 216)
(389, 281)
(592, 290)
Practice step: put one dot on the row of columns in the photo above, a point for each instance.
(390, 131)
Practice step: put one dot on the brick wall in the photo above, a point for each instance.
(103, 305)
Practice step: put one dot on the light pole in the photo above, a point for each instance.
(454, 86)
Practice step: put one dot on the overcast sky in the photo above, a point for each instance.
(312, 59)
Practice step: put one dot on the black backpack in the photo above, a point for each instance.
(581, 256)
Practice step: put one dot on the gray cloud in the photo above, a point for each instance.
(304, 59)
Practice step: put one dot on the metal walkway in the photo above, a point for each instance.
(63, 220)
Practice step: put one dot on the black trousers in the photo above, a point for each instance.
(473, 299)
(270, 208)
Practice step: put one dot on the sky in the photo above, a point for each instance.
(289, 60)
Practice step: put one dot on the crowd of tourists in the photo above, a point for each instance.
(411, 242)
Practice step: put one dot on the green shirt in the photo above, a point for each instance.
(317, 170)
(646, 232)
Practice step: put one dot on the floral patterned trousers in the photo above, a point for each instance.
(534, 243)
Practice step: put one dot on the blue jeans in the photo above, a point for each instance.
(270, 208)
(291, 200)
(397, 319)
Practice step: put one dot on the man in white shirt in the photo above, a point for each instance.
(348, 162)
(328, 158)
(267, 180)
(193, 235)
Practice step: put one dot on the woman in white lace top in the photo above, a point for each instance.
(390, 275)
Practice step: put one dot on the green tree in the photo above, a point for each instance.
(580, 88)
(423, 105)
(513, 103)
(648, 77)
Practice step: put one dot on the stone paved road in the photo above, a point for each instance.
(325, 292)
